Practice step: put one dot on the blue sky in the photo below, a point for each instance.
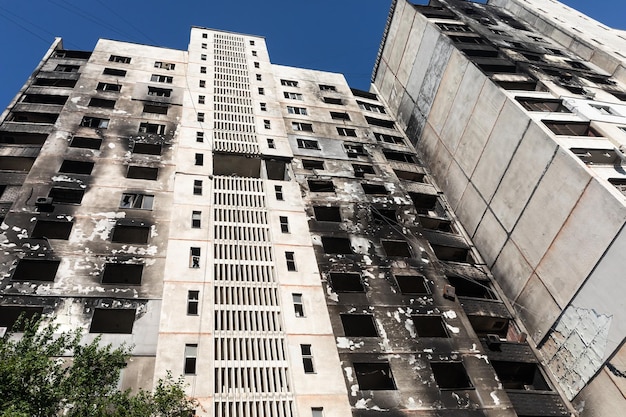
(331, 35)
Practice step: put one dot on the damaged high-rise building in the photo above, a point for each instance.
(444, 244)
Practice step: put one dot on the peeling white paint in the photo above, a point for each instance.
(408, 324)
(449, 314)
(495, 398)
(345, 343)
(453, 329)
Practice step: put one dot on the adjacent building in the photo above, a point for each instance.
(277, 237)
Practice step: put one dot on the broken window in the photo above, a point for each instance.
(194, 257)
(191, 356)
(196, 219)
(284, 224)
(162, 78)
(120, 59)
(429, 326)
(9, 315)
(115, 72)
(109, 87)
(605, 110)
(130, 234)
(94, 122)
(193, 302)
(570, 128)
(542, 104)
(199, 159)
(116, 273)
(346, 282)
(374, 376)
(35, 270)
(468, 287)
(298, 304)
(353, 150)
(76, 167)
(164, 65)
(86, 143)
(409, 175)
(142, 173)
(327, 214)
(202, 70)
(114, 320)
(320, 186)
(371, 107)
(312, 164)
(412, 284)
(358, 325)
(64, 53)
(289, 83)
(332, 100)
(278, 192)
(197, 187)
(381, 137)
(292, 96)
(137, 201)
(396, 248)
(450, 375)
(307, 359)
(424, 202)
(520, 375)
(337, 245)
(339, 115)
(155, 108)
(375, 189)
(259, 77)
(360, 170)
(325, 87)
(302, 127)
(147, 148)
(344, 131)
(296, 110)
(66, 68)
(398, 156)
(308, 144)
(66, 195)
(291, 261)
(50, 229)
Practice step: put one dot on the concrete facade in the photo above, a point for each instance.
(519, 118)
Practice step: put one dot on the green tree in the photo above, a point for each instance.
(44, 374)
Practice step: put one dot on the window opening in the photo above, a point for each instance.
(127, 274)
(429, 326)
(76, 167)
(318, 186)
(196, 218)
(194, 257)
(193, 302)
(312, 164)
(142, 173)
(191, 354)
(450, 375)
(307, 359)
(35, 270)
(327, 214)
(130, 234)
(112, 320)
(291, 261)
(346, 282)
(337, 245)
(298, 305)
(52, 230)
(374, 376)
(358, 325)
(412, 284)
(396, 248)
(284, 224)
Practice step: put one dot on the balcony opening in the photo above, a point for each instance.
(55, 82)
(327, 214)
(337, 245)
(374, 189)
(71, 54)
(412, 284)
(518, 85)
(66, 195)
(114, 320)
(45, 99)
(437, 223)
(486, 325)
(389, 124)
(520, 376)
(383, 216)
(318, 186)
(360, 170)
(32, 117)
(424, 203)
(358, 325)
(311, 164)
(155, 108)
(35, 270)
(597, 156)
(76, 167)
(10, 314)
(430, 326)
(236, 165)
(543, 105)
(346, 282)
(374, 376)
(130, 234)
(409, 175)
(571, 128)
(86, 143)
(126, 274)
(19, 138)
(102, 103)
(276, 170)
(396, 248)
(467, 287)
(16, 163)
(46, 229)
(398, 156)
(147, 148)
(142, 173)
(450, 375)
(453, 254)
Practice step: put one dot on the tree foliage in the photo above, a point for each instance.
(44, 374)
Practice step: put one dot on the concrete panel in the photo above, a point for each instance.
(454, 184)
(581, 242)
(419, 24)
(490, 237)
(479, 127)
(529, 164)
(535, 231)
(601, 397)
(511, 270)
(390, 43)
(471, 209)
(466, 97)
(428, 45)
(505, 137)
(436, 67)
(399, 58)
(448, 88)
(537, 308)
